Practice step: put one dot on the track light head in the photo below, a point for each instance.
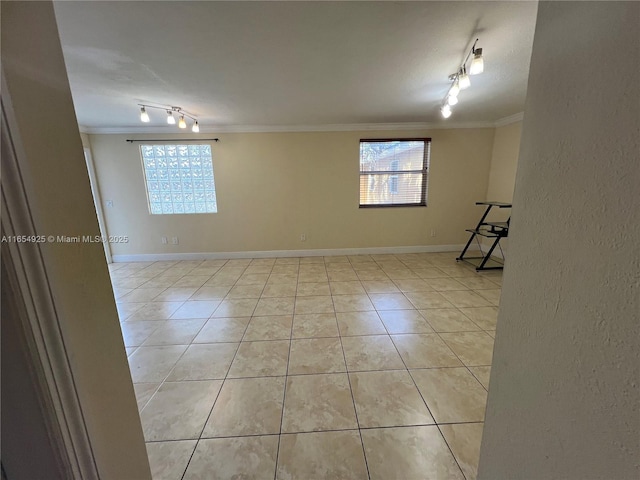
(144, 116)
(181, 122)
(445, 110)
(195, 128)
(477, 64)
(170, 118)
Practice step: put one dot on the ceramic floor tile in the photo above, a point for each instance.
(483, 374)
(211, 293)
(315, 325)
(390, 301)
(192, 281)
(141, 295)
(153, 364)
(234, 458)
(316, 304)
(485, 317)
(404, 321)
(448, 320)
(478, 283)
(387, 399)
(223, 330)
(443, 284)
(168, 460)
(422, 300)
(253, 279)
(155, 311)
(316, 355)
(492, 296)
(269, 328)
(318, 402)
(135, 333)
(204, 362)
(360, 323)
(285, 270)
(258, 269)
(409, 453)
(144, 392)
(247, 406)
(313, 277)
(412, 285)
(275, 306)
(342, 276)
(196, 309)
(179, 410)
(352, 303)
(373, 275)
(464, 440)
(473, 348)
(176, 294)
(161, 281)
(465, 298)
(375, 352)
(346, 288)
(174, 332)
(425, 351)
(380, 286)
(255, 359)
(245, 291)
(280, 290)
(453, 395)
(429, 272)
(239, 307)
(321, 455)
(313, 289)
(125, 310)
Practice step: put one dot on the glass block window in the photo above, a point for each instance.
(179, 179)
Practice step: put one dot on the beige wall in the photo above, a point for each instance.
(55, 178)
(564, 393)
(272, 187)
(504, 160)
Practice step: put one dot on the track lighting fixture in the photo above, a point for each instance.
(460, 80)
(171, 118)
(144, 116)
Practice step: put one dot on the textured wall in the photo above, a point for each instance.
(55, 175)
(563, 400)
(272, 187)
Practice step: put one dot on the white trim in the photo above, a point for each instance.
(355, 127)
(156, 257)
(501, 122)
(40, 322)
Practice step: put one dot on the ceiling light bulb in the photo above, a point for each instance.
(445, 111)
(181, 122)
(477, 64)
(170, 118)
(464, 81)
(452, 100)
(144, 116)
(455, 89)
(196, 127)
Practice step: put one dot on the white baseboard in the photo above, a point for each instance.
(156, 257)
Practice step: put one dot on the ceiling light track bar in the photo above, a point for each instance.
(132, 140)
(460, 80)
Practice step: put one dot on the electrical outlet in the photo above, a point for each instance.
(433, 232)
(174, 240)
(110, 203)
(164, 240)
(303, 237)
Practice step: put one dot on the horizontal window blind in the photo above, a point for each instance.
(393, 172)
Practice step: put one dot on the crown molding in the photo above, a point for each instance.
(501, 122)
(351, 127)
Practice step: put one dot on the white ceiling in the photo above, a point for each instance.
(279, 65)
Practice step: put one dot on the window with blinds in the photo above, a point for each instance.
(394, 172)
(179, 179)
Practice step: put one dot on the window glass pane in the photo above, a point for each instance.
(393, 172)
(179, 179)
